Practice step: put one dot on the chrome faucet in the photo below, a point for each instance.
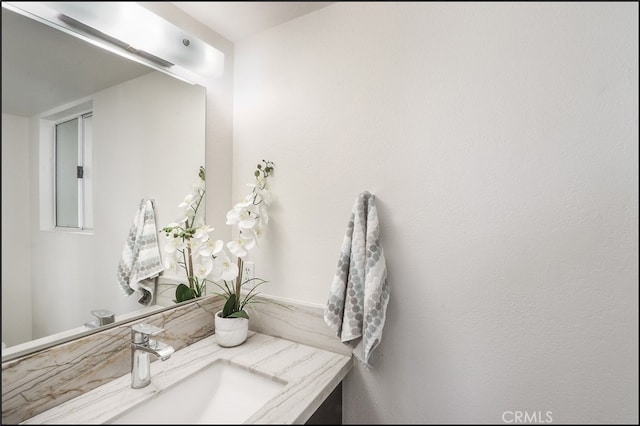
(141, 347)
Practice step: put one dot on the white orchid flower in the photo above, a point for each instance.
(240, 246)
(194, 245)
(233, 216)
(211, 248)
(203, 268)
(236, 247)
(240, 216)
(224, 268)
(246, 220)
(188, 200)
(257, 232)
(202, 232)
(248, 238)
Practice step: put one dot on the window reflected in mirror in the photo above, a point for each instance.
(72, 176)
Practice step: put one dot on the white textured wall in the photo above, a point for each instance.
(148, 136)
(16, 252)
(501, 140)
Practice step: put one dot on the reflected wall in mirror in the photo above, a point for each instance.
(148, 141)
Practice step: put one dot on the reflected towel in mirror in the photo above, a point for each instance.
(357, 303)
(140, 260)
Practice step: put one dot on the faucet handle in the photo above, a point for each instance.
(140, 332)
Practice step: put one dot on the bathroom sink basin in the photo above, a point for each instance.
(221, 392)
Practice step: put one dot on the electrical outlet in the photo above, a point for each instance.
(248, 273)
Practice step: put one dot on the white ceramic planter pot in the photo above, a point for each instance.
(230, 331)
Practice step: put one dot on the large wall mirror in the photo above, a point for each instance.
(147, 141)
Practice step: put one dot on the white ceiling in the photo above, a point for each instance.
(236, 20)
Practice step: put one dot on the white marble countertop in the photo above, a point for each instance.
(311, 374)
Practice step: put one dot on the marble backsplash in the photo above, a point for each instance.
(37, 382)
(297, 321)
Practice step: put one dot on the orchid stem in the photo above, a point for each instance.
(190, 268)
(238, 283)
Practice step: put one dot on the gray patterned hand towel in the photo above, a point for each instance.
(359, 294)
(141, 255)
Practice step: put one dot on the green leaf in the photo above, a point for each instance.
(228, 308)
(200, 287)
(239, 314)
(184, 293)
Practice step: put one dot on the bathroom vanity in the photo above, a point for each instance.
(277, 381)
(88, 380)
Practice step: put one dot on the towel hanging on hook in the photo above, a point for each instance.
(140, 258)
(357, 304)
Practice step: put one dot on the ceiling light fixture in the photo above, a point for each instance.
(132, 31)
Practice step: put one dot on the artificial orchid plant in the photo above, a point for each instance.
(204, 259)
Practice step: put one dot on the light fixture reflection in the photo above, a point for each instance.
(133, 31)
